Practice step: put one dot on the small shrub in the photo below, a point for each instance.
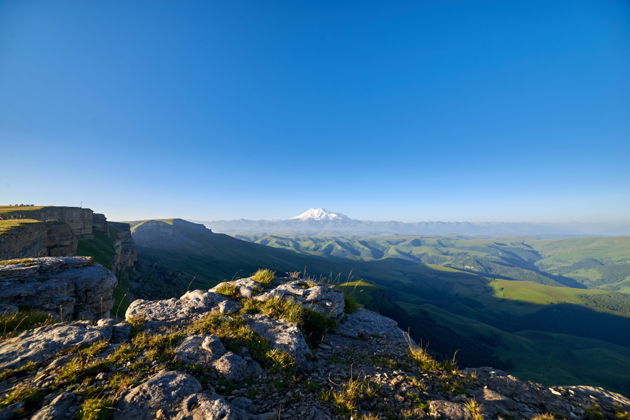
(95, 409)
(13, 324)
(23, 393)
(544, 416)
(281, 361)
(350, 304)
(313, 324)
(422, 358)
(264, 277)
(622, 415)
(346, 399)
(137, 324)
(10, 373)
(474, 409)
(227, 289)
(234, 333)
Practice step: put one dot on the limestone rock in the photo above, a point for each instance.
(448, 410)
(170, 311)
(245, 287)
(38, 239)
(233, 367)
(203, 406)
(165, 391)
(282, 335)
(126, 255)
(66, 287)
(63, 406)
(40, 343)
(200, 349)
(367, 323)
(322, 298)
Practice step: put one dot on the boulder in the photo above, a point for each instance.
(200, 349)
(44, 342)
(159, 396)
(65, 287)
(246, 287)
(63, 406)
(204, 406)
(234, 368)
(282, 335)
(448, 410)
(172, 311)
(322, 298)
(365, 323)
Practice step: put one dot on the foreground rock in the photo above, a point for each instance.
(208, 356)
(65, 287)
(44, 342)
(160, 313)
(322, 298)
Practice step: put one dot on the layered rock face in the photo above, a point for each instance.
(56, 231)
(65, 287)
(245, 350)
(126, 254)
(38, 239)
(79, 219)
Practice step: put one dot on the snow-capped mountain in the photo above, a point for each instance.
(319, 221)
(319, 214)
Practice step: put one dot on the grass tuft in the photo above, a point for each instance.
(474, 409)
(13, 324)
(350, 304)
(227, 289)
(422, 358)
(351, 393)
(95, 409)
(264, 277)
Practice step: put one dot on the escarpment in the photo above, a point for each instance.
(64, 287)
(31, 232)
(261, 348)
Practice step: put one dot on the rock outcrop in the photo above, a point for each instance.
(79, 220)
(31, 232)
(38, 239)
(125, 249)
(193, 358)
(65, 287)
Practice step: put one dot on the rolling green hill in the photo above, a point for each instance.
(577, 262)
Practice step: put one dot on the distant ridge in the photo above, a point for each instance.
(318, 221)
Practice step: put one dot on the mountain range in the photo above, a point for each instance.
(316, 221)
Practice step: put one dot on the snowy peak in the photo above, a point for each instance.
(319, 214)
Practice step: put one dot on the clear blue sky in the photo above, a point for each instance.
(410, 110)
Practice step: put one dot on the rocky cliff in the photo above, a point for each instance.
(34, 238)
(79, 220)
(64, 287)
(30, 232)
(125, 249)
(262, 348)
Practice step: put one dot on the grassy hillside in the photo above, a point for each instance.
(577, 262)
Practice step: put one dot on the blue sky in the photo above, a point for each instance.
(409, 110)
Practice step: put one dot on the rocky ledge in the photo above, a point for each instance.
(261, 348)
(64, 287)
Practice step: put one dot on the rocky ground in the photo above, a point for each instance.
(261, 348)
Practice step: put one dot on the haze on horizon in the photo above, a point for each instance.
(415, 111)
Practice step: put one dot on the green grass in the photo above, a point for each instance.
(13, 324)
(7, 210)
(7, 226)
(313, 324)
(264, 277)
